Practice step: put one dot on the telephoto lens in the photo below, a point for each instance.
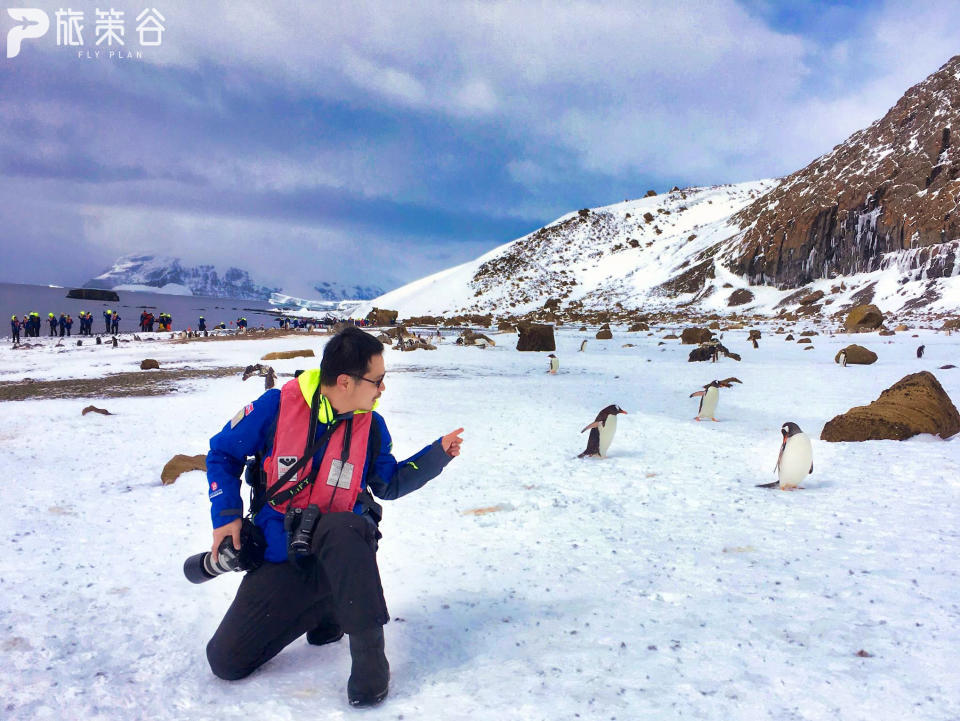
(302, 537)
(201, 567)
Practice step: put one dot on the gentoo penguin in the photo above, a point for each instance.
(554, 364)
(583, 345)
(709, 397)
(842, 358)
(601, 432)
(920, 351)
(795, 461)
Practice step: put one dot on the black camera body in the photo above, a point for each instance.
(299, 525)
(201, 567)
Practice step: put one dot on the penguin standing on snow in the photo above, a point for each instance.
(709, 397)
(583, 345)
(920, 351)
(795, 461)
(554, 364)
(602, 431)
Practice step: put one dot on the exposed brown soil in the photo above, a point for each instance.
(252, 334)
(118, 385)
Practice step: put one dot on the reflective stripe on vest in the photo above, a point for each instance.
(338, 483)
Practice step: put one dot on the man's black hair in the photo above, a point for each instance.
(349, 351)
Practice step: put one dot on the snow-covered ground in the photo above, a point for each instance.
(656, 584)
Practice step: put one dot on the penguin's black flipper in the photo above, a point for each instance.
(775, 484)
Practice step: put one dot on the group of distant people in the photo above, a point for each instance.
(164, 321)
(60, 326)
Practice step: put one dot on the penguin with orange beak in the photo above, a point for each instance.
(795, 461)
(602, 431)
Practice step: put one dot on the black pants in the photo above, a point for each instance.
(279, 602)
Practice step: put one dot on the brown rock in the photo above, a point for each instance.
(915, 404)
(283, 355)
(149, 364)
(740, 296)
(471, 338)
(670, 336)
(809, 333)
(754, 334)
(804, 340)
(382, 316)
(863, 318)
(637, 327)
(181, 464)
(901, 328)
(604, 334)
(535, 337)
(789, 337)
(691, 336)
(886, 332)
(857, 355)
(94, 409)
(812, 298)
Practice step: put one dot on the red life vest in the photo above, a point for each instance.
(339, 480)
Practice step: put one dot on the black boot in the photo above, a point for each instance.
(370, 674)
(327, 632)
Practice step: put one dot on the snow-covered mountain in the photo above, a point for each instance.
(167, 274)
(339, 291)
(874, 220)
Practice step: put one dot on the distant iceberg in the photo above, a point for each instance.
(297, 306)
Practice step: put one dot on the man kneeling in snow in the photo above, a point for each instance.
(321, 449)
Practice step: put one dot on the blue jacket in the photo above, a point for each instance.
(250, 433)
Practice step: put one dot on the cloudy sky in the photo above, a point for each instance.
(376, 142)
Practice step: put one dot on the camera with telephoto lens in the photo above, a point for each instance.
(202, 567)
(299, 523)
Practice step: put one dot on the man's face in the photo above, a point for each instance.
(368, 388)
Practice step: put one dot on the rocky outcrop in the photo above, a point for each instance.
(890, 187)
(604, 333)
(913, 405)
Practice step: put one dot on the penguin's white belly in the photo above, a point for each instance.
(607, 431)
(795, 461)
(708, 407)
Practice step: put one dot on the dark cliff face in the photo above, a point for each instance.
(894, 186)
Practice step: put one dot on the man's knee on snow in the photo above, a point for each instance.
(224, 664)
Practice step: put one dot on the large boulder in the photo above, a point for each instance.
(915, 404)
(382, 316)
(535, 337)
(695, 336)
(863, 318)
(148, 364)
(604, 333)
(857, 355)
(471, 338)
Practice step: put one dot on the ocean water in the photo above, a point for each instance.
(21, 299)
